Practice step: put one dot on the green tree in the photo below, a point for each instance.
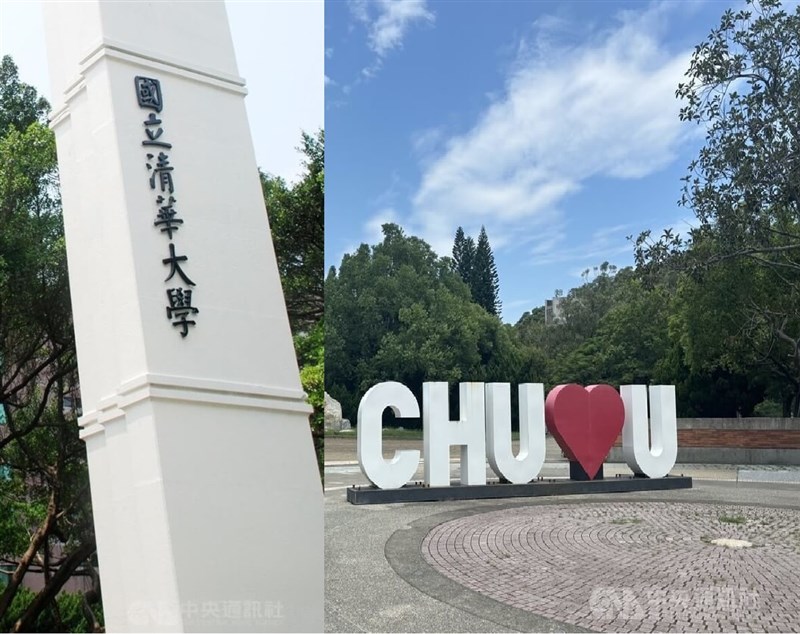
(625, 327)
(583, 310)
(396, 311)
(45, 521)
(743, 87)
(463, 255)
(70, 614)
(310, 350)
(723, 352)
(613, 331)
(296, 215)
(475, 265)
(485, 281)
(20, 105)
(49, 528)
(628, 338)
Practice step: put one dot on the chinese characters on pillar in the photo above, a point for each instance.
(180, 310)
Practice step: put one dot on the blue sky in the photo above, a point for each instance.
(554, 124)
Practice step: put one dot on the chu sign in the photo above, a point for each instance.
(584, 421)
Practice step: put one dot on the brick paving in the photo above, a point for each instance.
(631, 566)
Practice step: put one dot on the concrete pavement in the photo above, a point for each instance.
(630, 562)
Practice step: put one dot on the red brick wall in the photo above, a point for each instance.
(737, 438)
(740, 438)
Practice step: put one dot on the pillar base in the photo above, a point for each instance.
(207, 506)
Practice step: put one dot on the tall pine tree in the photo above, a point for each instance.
(475, 264)
(485, 281)
(463, 255)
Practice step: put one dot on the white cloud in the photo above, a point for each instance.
(372, 228)
(545, 242)
(591, 251)
(600, 105)
(358, 9)
(602, 245)
(426, 142)
(387, 23)
(394, 19)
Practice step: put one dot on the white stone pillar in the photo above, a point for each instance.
(207, 500)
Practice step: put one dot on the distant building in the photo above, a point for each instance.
(552, 311)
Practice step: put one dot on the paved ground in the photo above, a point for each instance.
(630, 562)
(631, 566)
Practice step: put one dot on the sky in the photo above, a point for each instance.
(553, 124)
(279, 51)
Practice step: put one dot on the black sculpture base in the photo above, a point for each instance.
(421, 493)
(576, 472)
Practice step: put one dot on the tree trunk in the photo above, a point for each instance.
(89, 615)
(25, 561)
(49, 592)
(93, 596)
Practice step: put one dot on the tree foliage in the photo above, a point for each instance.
(397, 311)
(463, 255)
(475, 264)
(71, 614)
(296, 215)
(310, 350)
(45, 513)
(20, 105)
(485, 281)
(743, 87)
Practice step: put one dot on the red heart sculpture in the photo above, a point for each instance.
(585, 422)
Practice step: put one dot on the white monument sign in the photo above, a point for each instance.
(385, 474)
(484, 431)
(528, 462)
(205, 490)
(650, 450)
(440, 433)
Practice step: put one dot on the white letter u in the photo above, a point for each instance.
(654, 459)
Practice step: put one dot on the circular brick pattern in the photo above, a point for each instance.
(631, 567)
